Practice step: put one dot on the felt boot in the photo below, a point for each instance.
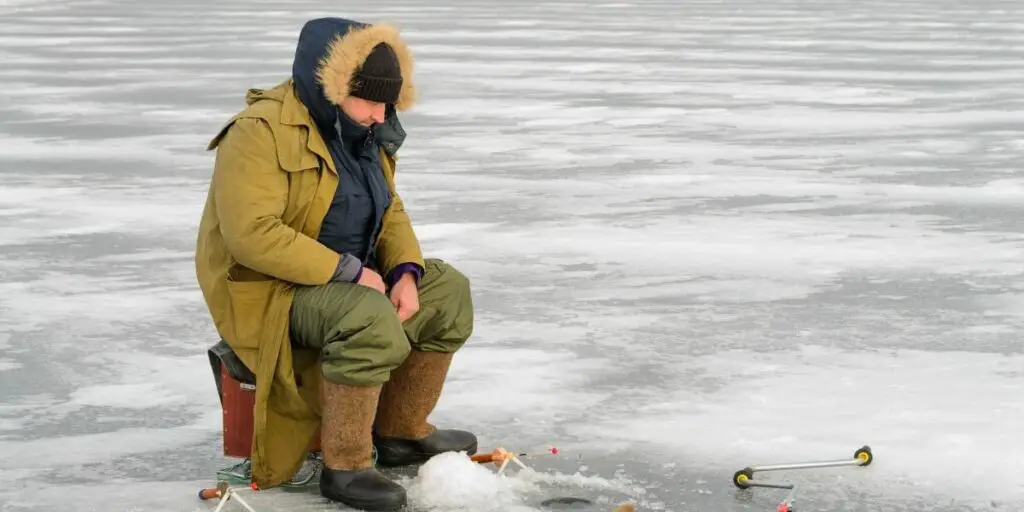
(348, 475)
(402, 434)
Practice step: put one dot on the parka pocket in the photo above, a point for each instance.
(251, 303)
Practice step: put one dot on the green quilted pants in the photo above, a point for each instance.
(359, 334)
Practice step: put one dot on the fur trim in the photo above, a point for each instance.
(347, 53)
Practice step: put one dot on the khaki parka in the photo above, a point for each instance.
(272, 184)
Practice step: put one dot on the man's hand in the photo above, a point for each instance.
(405, 296)
(371, 279)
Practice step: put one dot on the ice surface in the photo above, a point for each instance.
(701, 235)
(753, 407)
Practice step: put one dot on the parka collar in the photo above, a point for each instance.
(294, 113)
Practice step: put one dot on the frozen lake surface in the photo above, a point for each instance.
(702, 235)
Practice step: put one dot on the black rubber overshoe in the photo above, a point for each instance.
(393, 452)
(363, 489)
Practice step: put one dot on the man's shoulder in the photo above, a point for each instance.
(266, 105)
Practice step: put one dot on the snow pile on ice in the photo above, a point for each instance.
(451, 481)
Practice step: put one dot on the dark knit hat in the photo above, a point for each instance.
(379, 78)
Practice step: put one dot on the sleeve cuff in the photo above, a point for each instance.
(349, 269)
(402, 269)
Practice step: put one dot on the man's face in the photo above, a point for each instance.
(363, 111)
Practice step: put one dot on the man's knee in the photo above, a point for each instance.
(453, 307)
(450, 279)
(367, 343)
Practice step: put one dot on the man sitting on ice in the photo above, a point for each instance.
(312, 273)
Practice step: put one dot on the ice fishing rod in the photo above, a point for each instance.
(226, 494)
(500, 455)
(744, 478)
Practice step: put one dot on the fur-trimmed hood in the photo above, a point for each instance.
(327, 56)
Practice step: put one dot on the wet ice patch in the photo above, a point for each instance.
(73, 450)
(529, 386)
(88, 112)
(14, 6)
(133, 396)
(1003, 305)
(51, 209)
(814, 251)
(153, 150)
(8, 364)
(34, 492)
(155, 255)
(109, 303)
(442, 230)
(8, 424)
